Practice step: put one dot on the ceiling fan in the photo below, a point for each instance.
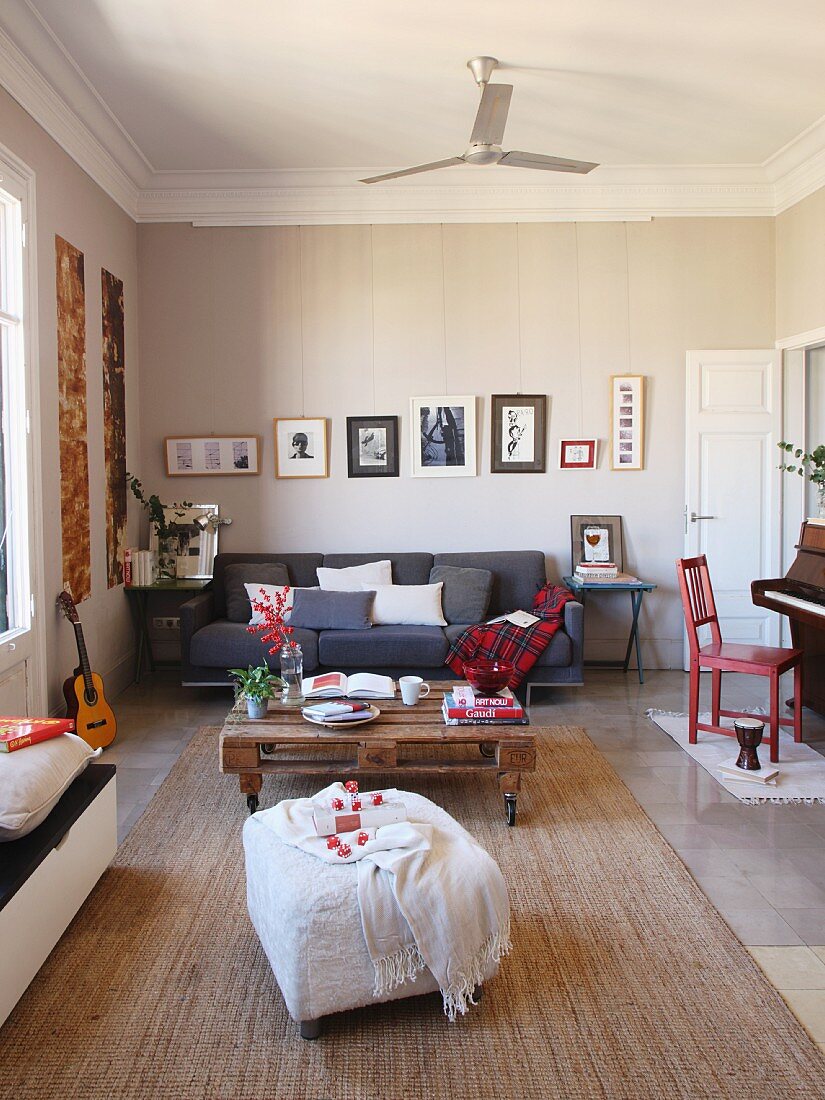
(488, 133)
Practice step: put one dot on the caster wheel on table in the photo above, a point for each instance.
(510, 808)
(310, 1029)
(488, 749)
(252, 802)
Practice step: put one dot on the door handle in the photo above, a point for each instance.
(694, 518)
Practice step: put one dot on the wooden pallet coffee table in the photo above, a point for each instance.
(249, 748)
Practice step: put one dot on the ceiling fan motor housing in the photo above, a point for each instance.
(483, 154)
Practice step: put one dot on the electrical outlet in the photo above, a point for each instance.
(174, 623)
(169, 622)
(158, 623)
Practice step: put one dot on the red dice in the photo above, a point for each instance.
(363, 838)
(333, 841)
(377, 798)
(355, 802)
(352, 786)
(344, 851)
(337, 803)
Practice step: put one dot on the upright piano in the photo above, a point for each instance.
(801, 596)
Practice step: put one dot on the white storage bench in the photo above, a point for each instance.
(46, 876)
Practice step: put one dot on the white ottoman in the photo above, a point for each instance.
(307, 917)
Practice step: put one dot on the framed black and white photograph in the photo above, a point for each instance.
(301, 447)
(372, 446)
(193, 548)
(596, 539)
(627, 417)
(443, 432)
(519, 433)
(197, 455)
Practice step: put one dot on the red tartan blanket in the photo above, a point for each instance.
(522, 646)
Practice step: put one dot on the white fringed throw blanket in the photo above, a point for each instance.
(427, 898)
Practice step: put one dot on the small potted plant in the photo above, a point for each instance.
(167, 548)
(812, 465)
(257, 684)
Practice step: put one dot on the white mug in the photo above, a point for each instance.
(412, 689)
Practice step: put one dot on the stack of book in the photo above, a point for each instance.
(490, 710)
(597, 571)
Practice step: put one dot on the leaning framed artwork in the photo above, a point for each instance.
(596, 539)
(372, 446)
(627, 419)
(518, 433)
(192, 548)
(301, 446)
(577, 454)
(443, 436)
(200, 455)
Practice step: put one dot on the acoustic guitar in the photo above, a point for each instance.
(85, 700)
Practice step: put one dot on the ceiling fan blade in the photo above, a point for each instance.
(414, 171)
(549, 164)
(491, 117)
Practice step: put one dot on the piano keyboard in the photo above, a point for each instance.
(794, 601)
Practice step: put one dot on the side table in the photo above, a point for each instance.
(637, 590)
(138, 595)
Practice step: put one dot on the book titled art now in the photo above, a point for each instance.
(19, 733)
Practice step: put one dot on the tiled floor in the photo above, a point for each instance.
(763, 867)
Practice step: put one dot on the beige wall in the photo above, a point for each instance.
(70, 204)
(800, 267)
(240, 325)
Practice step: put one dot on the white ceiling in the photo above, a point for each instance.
(200, 85)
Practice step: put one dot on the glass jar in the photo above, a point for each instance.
(292, 674)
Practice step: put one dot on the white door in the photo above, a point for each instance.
(732, 512)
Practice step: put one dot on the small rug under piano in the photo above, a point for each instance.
(801, 769)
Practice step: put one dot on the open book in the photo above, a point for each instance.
(361, 685)
(517, 618)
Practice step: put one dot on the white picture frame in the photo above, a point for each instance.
(627, 417)
(212, 455)
(301, 446)
(443, 436)
(196, 549)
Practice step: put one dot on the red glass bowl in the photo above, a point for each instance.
(488, 677)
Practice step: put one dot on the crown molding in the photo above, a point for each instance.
(70, 109)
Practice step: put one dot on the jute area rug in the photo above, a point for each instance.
(623, 982)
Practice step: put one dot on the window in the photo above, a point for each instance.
(15, 587)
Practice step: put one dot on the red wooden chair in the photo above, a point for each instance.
(719, 657)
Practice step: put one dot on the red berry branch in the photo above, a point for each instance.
(272, 628)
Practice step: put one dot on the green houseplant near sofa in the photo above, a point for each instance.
(257, 684)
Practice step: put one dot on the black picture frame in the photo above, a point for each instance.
(362, 462)
(613, 525)
(503, 437)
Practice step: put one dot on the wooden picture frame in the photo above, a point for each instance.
(443, 436)
(578, 454)
(608, 547)
(518, 433)
(301, 446)
(212, 455)
(372, 446)
(627, 418)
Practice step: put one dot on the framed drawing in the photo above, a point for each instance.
(194, 455)
(194, 550)
(595, 539)
(627, 418)
(301, 447)
(577, 454)
(519, 433)
(372, 446)
(443, 436)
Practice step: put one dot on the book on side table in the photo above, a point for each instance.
(361, 685)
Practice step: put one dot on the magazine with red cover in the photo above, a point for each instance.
(18, 733)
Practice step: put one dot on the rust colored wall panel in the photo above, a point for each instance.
(74, 451)
(114, 425)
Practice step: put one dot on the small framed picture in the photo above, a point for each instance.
(596, 539)
(301, 447)
(443, 436)
(628, 422)
(577, 454)
(197, 455)
(192, 547)
(519, 433)
(372, 446)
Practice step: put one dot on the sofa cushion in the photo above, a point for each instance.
(410, 604)
(559, 654)
(383, 647)
(352, 578)
(301, 572)
(33, 779)
(412, 568)
(319, 610)
(466, 593)
(222, 644)
(239, 574)
(517, 575)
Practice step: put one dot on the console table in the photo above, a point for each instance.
(637, 590)
(138, 595)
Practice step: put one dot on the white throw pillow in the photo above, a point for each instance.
(33, 779)
(407, 604)
(355, 578)
(254, 593)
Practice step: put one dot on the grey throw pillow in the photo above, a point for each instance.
(238, 607)
(466, 592)
(316, 609)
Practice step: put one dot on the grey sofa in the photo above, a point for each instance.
(210, 643)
